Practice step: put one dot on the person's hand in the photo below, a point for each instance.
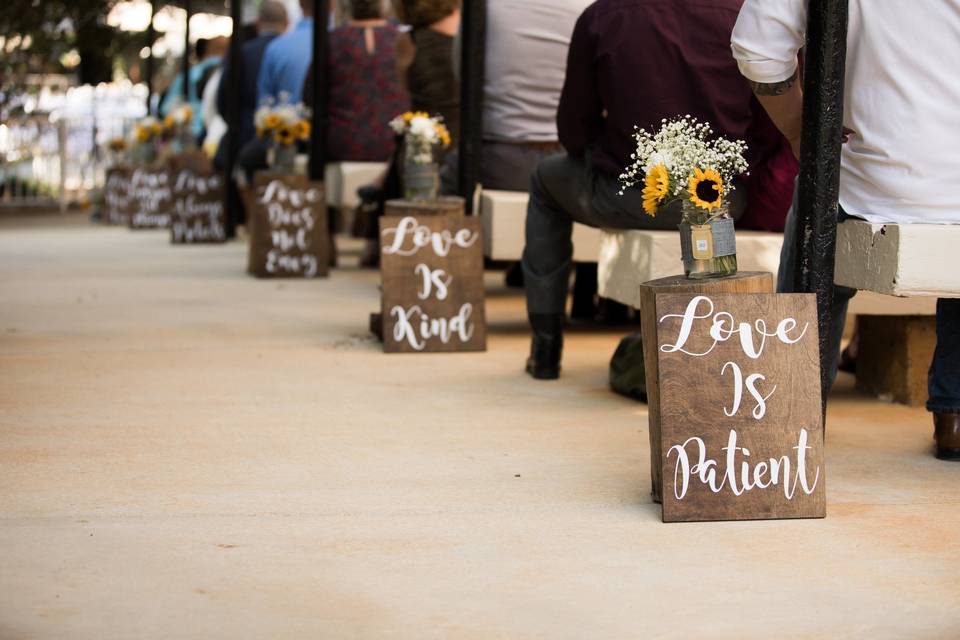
(845, 135)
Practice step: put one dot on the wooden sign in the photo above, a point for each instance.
(432, 269)
(198, 214)
(152, 199)
(116, 196)
(289, 237)
(740, 413)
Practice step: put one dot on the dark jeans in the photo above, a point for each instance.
(944, 379)
(563, 190)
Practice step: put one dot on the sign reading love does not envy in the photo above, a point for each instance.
(116, 196)
(198, 214)
(289, 237)
(432, 269)
(152, 198)
(740, 411)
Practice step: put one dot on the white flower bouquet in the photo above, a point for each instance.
(421, 132)
(683, 160)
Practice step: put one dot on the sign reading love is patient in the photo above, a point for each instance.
(432, 268)
(198, 207)
(289, 237)
(740, 412)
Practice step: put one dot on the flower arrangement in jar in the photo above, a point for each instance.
(146, 135)
(116, 150)
(685, 162)
(422, 134)
(178, 127)
(282, 125)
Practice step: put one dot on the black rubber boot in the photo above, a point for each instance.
(547, 345)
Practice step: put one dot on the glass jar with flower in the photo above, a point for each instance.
(422, 134)
(146, 135)
(178, 129)
(117, 151)
(684, 161)
(282, 125)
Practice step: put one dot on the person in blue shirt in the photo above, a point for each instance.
(286, 61)
(210, 54)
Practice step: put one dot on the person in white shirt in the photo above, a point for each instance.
(899, 163)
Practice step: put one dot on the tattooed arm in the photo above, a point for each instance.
(783, 102)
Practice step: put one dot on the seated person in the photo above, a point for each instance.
(889, 173)
(525, 63)
(630, 64)
(363, 90)
(425, 58)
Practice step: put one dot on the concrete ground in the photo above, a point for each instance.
(187, 452)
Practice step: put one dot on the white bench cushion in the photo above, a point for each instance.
(899, 260)
(503, 215)
(628, 258)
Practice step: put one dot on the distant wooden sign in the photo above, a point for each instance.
(431, 262)
(740, 413)
(289, 237)
(152, 198)
(116, 196)
(198, 214)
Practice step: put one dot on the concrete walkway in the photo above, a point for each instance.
(187, 452)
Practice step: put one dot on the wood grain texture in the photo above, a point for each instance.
(287, 223)
(701, 420)
(451, 307)
(743, 282)
(117, 200)
(197, 213)
(440, 206)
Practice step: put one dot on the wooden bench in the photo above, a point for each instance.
(503, 215)
(897, 332)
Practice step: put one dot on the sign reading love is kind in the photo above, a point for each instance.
(289, 237)
(740, 412)
(198, 208)
(152, 199)
(116, 196)
(432, 269)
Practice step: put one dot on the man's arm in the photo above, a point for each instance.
(783, 102)
(580, 114)
(765, 42)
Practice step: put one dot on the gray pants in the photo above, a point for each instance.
(504, 166)
(563, 190)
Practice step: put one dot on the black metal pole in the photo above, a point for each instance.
(318, 132)
(233, 117)
(187, 5)
(473, 30)
(149, 64)
(819, 182)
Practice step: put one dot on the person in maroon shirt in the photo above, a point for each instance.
(631, 63)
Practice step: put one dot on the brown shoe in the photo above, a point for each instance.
(947, 434)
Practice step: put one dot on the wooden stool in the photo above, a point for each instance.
(748, 282)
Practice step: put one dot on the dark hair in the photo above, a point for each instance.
(366, 9)
(201, 48)
(421, 13)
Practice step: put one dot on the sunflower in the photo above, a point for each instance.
(142, 133)
(285, 136)
(656, 189)
(272, 121)
(706, 189)
(443, 134)
(169, 122)
(156, 129)
(302, 130)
